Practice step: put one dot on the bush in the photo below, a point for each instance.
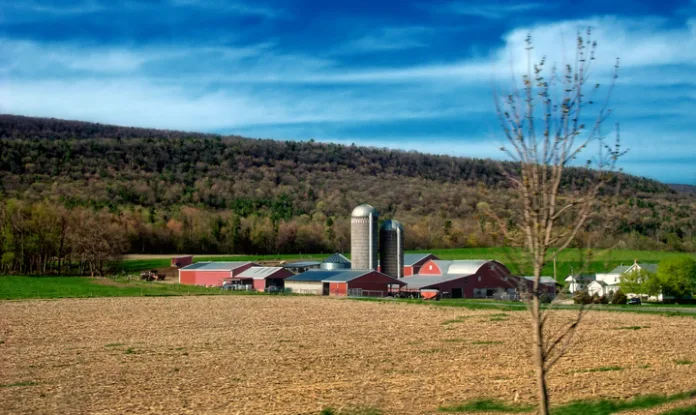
(619, 298)
(582, 297)
(603, 299)
(595, 298)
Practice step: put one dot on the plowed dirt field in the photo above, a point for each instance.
(296, 355)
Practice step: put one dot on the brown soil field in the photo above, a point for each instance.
(297, 355)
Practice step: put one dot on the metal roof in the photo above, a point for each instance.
(346, 275)
(259, 273)
(339, 275)
(302, 264)
(416, 282)
(466, 266)
(410, 259)
(364, 210)
(316, 275)
(215, 266)
(337, 259)
(443, 265)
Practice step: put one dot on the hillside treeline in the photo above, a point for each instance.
(165, 191)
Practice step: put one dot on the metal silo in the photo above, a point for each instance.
(391, 248)
(363, 237)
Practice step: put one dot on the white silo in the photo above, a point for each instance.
(363, 237)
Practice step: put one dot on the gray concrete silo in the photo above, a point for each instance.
(363, 237)
(391, 248)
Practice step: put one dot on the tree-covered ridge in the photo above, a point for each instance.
(167, 191)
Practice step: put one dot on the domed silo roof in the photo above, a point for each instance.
(391, 225)
(364, 211)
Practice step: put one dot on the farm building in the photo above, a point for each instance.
(182, 261)
(262, 278)
(342, 282)
(414, 262)
(470, 279)
(212, 273)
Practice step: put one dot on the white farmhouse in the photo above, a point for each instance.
(579, 282)
(608, 284)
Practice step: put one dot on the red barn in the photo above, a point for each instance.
(212, 273)
(262, 278)
(466, 279)
(343, 282)
(414, 262)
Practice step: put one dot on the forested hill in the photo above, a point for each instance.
(164, 151)
(188, 192)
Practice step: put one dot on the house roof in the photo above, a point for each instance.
(215, 266)
(602, 283)
(416, 282)
(337, 259)
(412, 259)
(624, 268)
(259, 273)
(543, 280)
(582, 278)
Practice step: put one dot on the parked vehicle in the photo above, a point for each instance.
(633, 301)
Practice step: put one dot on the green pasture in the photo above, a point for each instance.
(30, 287)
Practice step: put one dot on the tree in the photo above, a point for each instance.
(545, 131)
(677, 277)
(639, 282)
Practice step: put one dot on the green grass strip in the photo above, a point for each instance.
(581, 407)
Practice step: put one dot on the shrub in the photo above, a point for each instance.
(582, 297)
(603, 299)
(619, 298)
(595, 298)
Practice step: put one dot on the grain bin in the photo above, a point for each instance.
(391, 248)
(363, 237)
(336, 261)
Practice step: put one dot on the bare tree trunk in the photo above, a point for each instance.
(538, 356)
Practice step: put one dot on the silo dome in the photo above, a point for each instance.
(392, 225)
(364, 211)
(364, 237)
(391, 248)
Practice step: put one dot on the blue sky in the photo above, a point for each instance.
(415, 75)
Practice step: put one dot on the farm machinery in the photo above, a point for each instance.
(152, 275)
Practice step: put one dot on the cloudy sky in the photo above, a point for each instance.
(404, 74)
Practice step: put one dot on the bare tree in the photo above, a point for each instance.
(544, 130)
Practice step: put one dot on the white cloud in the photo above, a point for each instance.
(387, 38)
(492, 11)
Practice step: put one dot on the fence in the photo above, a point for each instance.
(359, 292)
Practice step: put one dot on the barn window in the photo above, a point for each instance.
(479, 278)
(430, 267)
(505, 278)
